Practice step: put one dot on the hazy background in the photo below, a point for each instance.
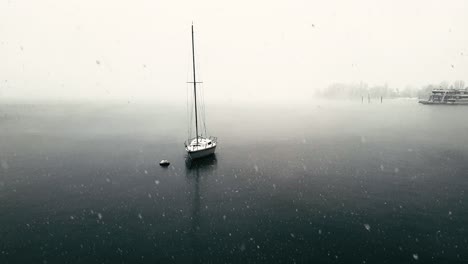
(248, 50)
(80, 181)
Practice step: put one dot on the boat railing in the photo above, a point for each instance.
(211, 138)
(443, 97)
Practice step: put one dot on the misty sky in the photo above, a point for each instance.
(260, 50)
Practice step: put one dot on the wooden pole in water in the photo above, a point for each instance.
(362, 99)
(381, 99)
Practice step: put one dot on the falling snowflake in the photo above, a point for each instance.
(242, 247)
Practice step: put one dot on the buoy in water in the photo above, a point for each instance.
(164, 163)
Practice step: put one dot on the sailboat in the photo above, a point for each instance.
(200, 146)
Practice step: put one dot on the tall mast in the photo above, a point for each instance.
(194, 87)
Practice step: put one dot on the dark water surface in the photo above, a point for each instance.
(332, 182)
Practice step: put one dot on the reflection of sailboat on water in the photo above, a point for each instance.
(201, 145)
(193, 169)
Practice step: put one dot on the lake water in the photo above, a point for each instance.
(329, 182)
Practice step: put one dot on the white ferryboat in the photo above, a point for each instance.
(447, 97)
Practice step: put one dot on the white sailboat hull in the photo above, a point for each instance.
(201, 153)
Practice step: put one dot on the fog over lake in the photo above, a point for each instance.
(334, 181)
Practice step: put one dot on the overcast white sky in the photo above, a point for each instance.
(261, 50)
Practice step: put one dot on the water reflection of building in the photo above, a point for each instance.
(195, 171)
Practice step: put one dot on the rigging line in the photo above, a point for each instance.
(186, 111)
(189, 98)
(194, 86)
(204, 113)
(201, 115)
(201, 110)
(191, 112)
(201, 101)
(204, 107)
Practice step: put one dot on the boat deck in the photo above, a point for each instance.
(203, 143)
